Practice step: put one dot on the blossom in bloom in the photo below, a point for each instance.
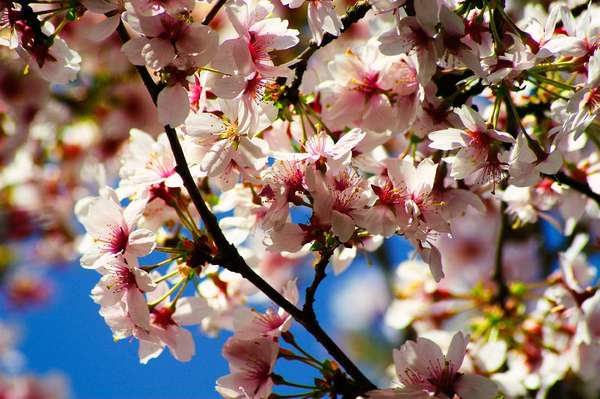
(581, 36)
(415, 34)
(425, 372)
(226, 149)
(171, 44)
(167, 319)
(147, 163)
(339, 201)
(105, 28)
(408, 203)
(479, 147)
(321, 149)
(123, 281)
(322, 18)
(165, 39)
(584, 106)
(58, 64)
(250, 324)
(367, 88)
(526, 167)
(112, 230)
(251, 364)
(258, 35)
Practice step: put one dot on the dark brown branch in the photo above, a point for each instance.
(213, 12)
(576, 185)
(230, 258)
(498, 275)
(353, 15)
(312, 289)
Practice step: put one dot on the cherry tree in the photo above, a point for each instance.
(213, 153)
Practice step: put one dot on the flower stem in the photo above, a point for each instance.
(552, 82)
(166, 294)
(149, 268)
(167, 276)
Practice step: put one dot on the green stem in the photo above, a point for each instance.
(498, 45)
(167, 276)
(171, 250)
(304, 135)
(149, 268)
(289, 338)
(188, 222)
(537, 85)
(292, 384)
(496, 110)
(309, 111)
(167, 294)
(205, 68)
(552, 82)
(180, 292)
(557, 66)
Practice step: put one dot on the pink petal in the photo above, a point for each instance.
(173, 106)
(104, 29)
(475, 387)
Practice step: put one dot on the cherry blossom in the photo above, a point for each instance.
(251, 363)
(479, 147)
(424, 371)
(432, 166)
(112, 230)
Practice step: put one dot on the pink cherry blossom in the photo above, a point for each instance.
(250, 324)
(479, 147)
(424, 372)
(122, 282)
(166, 324)
(112, 230)
(251, 363)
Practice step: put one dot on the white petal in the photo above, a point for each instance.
(191, 310)
(158, 53)
(342, 225)
(203, 123)
(346, 143)
(104, 29)
(173, 105)
(475, 387)
(457, 350)
(138, 308)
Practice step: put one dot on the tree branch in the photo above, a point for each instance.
(228, 256)
(311, 291)
(576, 185)
(498, 275)
(213, 12)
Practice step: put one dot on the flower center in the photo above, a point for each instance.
(161, 317)
(591, 100)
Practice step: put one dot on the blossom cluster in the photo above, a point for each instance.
(468, 128)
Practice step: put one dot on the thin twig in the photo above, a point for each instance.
(498, 275)
(230, 258)
(576, 185)
(213, 12)
(320, 275)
